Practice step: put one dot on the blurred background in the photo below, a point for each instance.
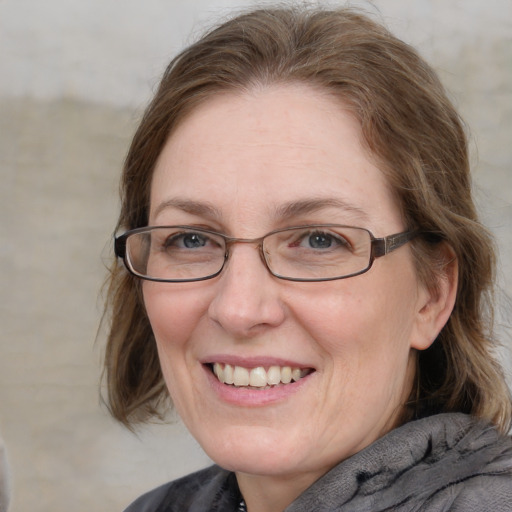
(74, 77)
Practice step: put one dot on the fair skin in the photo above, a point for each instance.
(245, 164)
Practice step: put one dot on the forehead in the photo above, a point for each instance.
(250, 153)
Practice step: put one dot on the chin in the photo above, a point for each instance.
(252, 450)
(257, 463)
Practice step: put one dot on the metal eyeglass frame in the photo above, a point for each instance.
(379, 247)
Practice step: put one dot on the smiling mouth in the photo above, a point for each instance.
(259, 377)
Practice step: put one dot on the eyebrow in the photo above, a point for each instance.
(313, 205)
(285, 211)
(203, 209)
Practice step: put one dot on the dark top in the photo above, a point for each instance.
(447, 462)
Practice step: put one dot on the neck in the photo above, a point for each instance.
(272, 493)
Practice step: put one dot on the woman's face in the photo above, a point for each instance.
(244, 165)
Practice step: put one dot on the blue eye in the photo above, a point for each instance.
(320, 241)
(186, 241)
(193, 240)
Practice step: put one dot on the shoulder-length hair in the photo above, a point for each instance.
(409, 127)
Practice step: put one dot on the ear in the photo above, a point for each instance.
(435, 302)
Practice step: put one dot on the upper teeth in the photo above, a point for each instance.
(257, 377)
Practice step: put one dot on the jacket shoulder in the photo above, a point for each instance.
(177, 496)
(490, 492)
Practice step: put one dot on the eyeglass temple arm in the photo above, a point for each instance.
(120, 246)
(382, 246)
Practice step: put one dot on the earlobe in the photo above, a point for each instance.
(436, 302)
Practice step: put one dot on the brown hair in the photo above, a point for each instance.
(411, 129)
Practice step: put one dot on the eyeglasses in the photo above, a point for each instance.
(318, 252)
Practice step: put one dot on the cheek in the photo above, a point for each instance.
(173, 313)
(360, 330)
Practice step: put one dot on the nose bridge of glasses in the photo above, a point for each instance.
(257, 242)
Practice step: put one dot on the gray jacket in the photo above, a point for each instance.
(447, 462)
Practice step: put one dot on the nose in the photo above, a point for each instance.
(247, 300)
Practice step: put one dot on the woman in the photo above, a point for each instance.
(306, 277)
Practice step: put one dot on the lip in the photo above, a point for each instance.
(244, 397)
(254, 362)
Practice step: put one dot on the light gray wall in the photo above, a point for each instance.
(73, 76)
